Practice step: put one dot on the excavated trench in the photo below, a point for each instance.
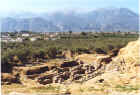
(67, 71)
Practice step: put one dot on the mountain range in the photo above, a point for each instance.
(104, 19)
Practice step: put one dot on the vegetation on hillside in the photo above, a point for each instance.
(42, 50)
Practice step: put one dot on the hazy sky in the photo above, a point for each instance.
(53, 5)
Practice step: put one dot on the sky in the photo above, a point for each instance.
(7, 6)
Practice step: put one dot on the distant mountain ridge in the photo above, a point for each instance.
(104, 19)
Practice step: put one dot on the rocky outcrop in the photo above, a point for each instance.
(128, 57)
(8, 78)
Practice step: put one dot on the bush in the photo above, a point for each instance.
(110, 47)
(100, 51)
(84, 33)
(52, 52)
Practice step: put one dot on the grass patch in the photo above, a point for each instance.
(95, 89)
(13, 87)
(46, 89)
(127, 88)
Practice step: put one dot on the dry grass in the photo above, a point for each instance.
(24, 89)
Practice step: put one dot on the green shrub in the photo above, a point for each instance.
(28, 50)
